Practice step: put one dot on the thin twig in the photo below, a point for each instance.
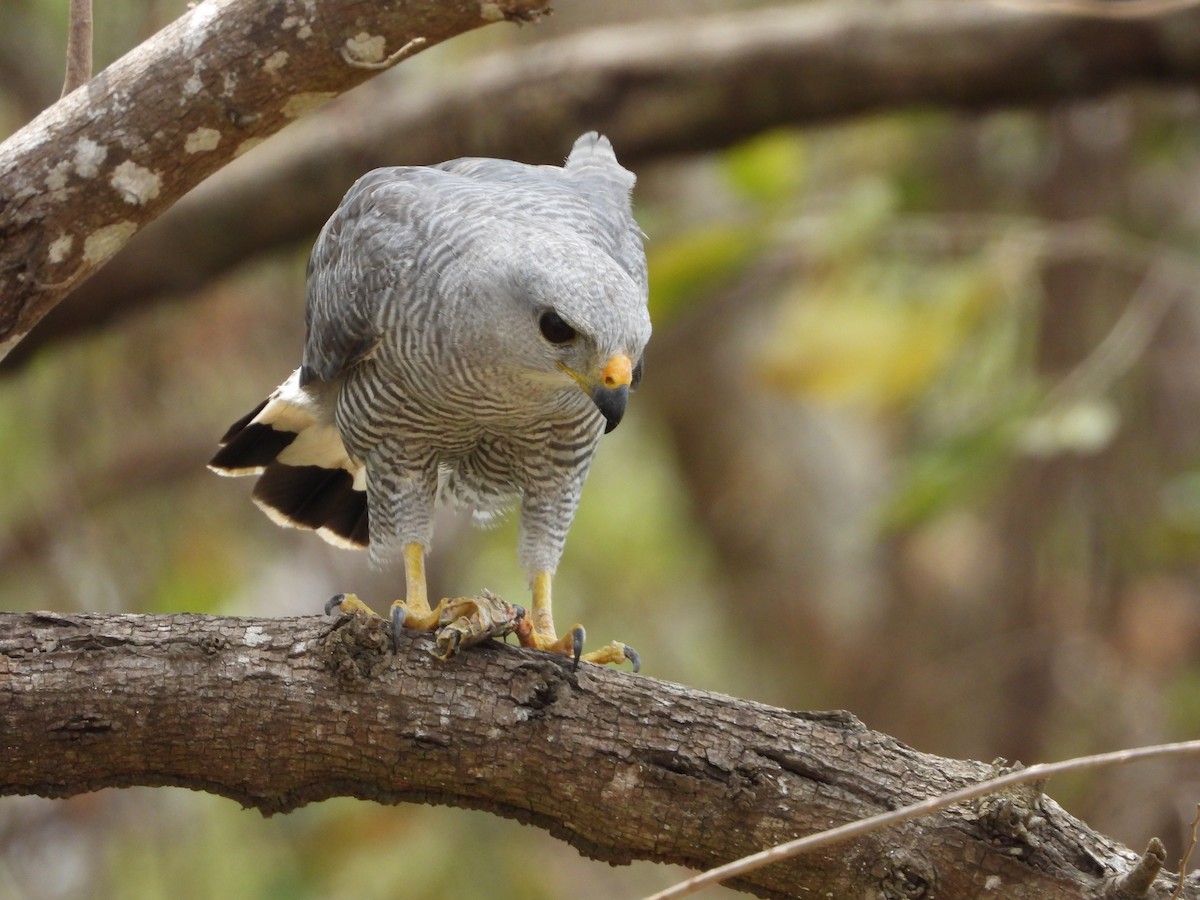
(1127, 339)
(1101, 9)
(378, 65)
(79, 46)
(1187, 855)
(916, 810)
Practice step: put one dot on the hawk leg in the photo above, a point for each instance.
(537, 630)
(414, 611)
(350, 605)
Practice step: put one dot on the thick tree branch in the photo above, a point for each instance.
(276, 713)
(655, 89)
(79, 180)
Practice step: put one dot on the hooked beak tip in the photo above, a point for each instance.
(611, 402)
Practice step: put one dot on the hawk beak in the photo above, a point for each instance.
(612, 393)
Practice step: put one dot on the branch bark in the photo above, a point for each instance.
(276, 713)
(655, 89)
(79, 180)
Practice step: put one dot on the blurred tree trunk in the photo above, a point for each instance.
(279, 712)
(1060, 524)
(774, 483)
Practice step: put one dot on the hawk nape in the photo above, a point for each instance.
(472, 329)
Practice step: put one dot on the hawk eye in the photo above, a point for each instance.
(637, 374)
(554, 329)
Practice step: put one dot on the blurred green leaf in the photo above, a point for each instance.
(875, 335)
(694, 264)
(867, 206)
(1182, 702)
(951, 473)
(769, 169)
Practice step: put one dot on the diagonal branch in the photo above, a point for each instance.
(83, 177)
(276, 713)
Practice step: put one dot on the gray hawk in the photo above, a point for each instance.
(473, 328)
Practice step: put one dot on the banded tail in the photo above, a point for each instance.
(306, 477)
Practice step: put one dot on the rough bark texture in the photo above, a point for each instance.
(276, 713)
(79, 180)
(654, 88)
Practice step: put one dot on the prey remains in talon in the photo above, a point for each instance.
(465, 621)
(460, 622)
(472, 620)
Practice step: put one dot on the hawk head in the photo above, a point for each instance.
(591, 331)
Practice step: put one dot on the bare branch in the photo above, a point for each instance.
(276, 713)
(1101, 9)
(79, 46)
(1187, 855)
(351, 51)
(1135, 882)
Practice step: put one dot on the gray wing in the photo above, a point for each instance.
(361, 261)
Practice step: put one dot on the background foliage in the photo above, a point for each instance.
(918, 439)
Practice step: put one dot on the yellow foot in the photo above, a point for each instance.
(350, 605)
(418, 617)
(465, 621)
(614, 653)
(571, 644)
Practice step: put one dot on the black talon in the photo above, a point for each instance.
(333, 603)
(397, 625)
(632, 656)
(518, 616)
(577, 636)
